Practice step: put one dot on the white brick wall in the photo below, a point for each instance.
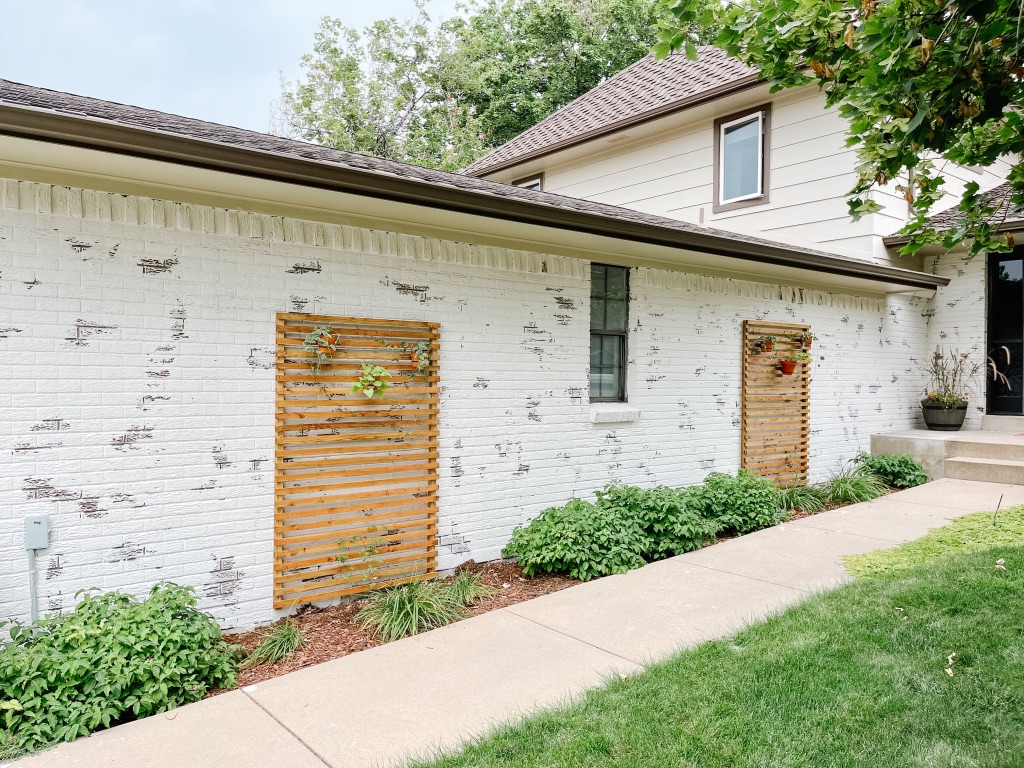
(136, 406)
(957, 319)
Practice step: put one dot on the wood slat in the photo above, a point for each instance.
(352, 469)
(775, 413)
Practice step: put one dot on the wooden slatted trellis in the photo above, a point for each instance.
(355, 478)
(775, 431)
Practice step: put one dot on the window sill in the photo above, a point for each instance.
(613, 413)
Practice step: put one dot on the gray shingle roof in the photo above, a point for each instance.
(198, 138)
(1000, 196)
(645, 87)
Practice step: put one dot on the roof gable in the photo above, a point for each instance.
(648, 88)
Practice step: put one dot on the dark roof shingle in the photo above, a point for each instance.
(1000, 196)
(425, 183)
(645, 87)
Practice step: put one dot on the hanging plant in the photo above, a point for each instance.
(373, 382)
(421, 354)
(806, 338)
(320, 344)
(764, 343)
(788, 364)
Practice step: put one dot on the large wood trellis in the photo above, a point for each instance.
(355, 478)
(775, 431)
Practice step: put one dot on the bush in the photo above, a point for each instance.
(737, 504)
(802, 498)
(282, 643)
(412, 608)
(581, 539)
(852, 485)
(668, 524)
(897, 470)
(114, 658)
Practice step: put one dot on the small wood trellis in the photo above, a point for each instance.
(355, 478)
(775, 431)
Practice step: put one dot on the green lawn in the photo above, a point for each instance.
(854, 677)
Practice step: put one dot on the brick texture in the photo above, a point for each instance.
(136, 406)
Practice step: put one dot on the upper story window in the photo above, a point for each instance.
(741, 159)
(609, 310)
(536, 183)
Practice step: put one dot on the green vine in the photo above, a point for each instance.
(320, 344)
(422, 354)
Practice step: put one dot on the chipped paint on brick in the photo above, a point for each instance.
(305, 268)
(157, 266)
(85, 330)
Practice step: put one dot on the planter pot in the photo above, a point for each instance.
(807, 345)
(325, 341)
(944, 419)
(787, 367)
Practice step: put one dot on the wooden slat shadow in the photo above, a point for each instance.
(775, 425)
(355, 479)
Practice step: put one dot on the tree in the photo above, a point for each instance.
(918, 81)
(442, 95)
(377, 92)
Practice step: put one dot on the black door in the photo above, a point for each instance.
(1004, 373)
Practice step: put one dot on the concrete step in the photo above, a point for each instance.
(1010, 448)
(986, 470)
(1003, 423)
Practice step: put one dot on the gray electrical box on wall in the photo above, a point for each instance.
(37, 532)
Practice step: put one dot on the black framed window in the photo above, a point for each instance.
(609, 315)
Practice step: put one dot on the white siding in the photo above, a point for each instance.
(812, 170)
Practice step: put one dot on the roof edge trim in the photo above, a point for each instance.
(95, 134)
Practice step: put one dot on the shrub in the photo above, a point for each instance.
(737, 504)
(412, 608)
(282, 643)
(668, 524)
(467, 588)
(114, 658)
(897, 470)
(852, 485)
(802, 498)
(581, 539)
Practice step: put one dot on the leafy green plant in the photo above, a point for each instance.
(412, 608)
(373, 382)
(466, 588)
(737, 504)
(114, 658)
(669, 525)
(282, 643)
(581, 539)
(799, 356)
(897, 470)
(320, 344)
(852, 485)
(802, 498)
(765, 343)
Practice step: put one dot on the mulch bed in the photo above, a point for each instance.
(332, 632)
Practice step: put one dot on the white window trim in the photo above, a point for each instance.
(760, 158)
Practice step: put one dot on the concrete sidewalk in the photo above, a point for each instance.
(407, 698)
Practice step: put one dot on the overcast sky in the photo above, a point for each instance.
(217, 60)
